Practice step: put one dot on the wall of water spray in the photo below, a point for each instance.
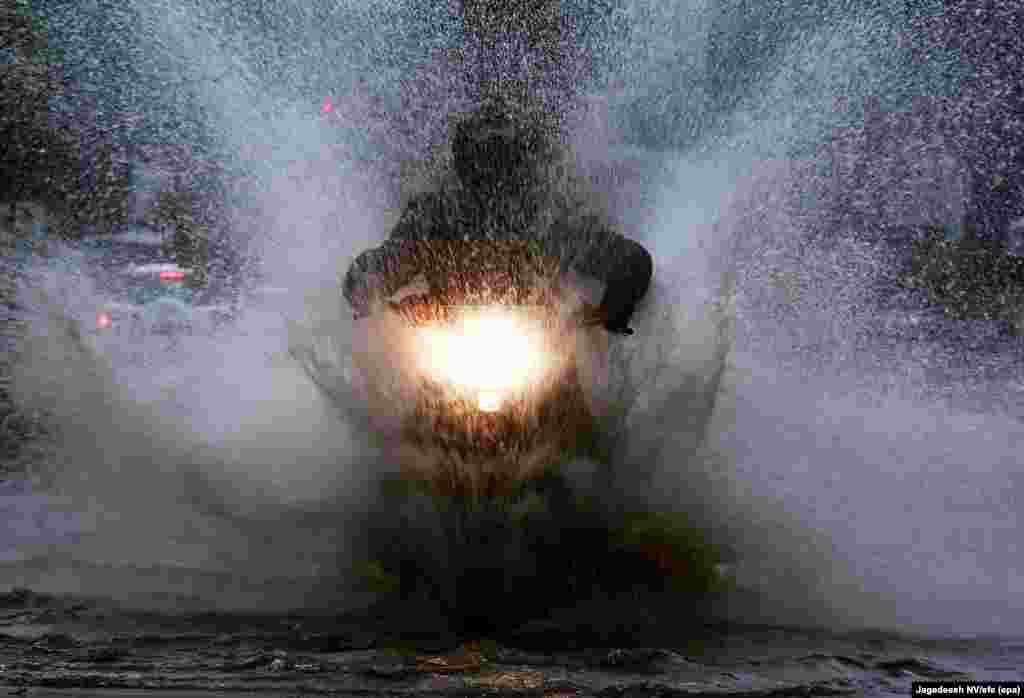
(219, 473)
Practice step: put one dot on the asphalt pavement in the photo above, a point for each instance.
(63, 646)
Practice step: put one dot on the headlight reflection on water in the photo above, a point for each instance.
(490, 355)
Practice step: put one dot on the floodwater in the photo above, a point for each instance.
(863, 469)
(88, 649)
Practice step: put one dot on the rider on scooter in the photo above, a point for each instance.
(499, 194)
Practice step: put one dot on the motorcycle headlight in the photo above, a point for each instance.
(491, 355)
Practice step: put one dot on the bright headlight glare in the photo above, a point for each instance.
(488, 401)
(491, 354)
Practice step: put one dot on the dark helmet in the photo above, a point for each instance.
(497, 146)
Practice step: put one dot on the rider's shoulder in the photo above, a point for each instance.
(418, 214)
(423, 202)
(580, 222)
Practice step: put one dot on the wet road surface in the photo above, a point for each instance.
(61, 646)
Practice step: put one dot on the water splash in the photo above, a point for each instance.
(848, 490)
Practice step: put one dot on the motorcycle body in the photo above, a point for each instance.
(501, 426)
(474, 399)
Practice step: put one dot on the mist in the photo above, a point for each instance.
(216, 473)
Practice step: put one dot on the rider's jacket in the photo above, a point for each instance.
(455, 235)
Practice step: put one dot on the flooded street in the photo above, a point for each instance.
(56, 647)
(200, 507)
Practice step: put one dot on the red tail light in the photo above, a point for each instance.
(103, 321)
(172, 275)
